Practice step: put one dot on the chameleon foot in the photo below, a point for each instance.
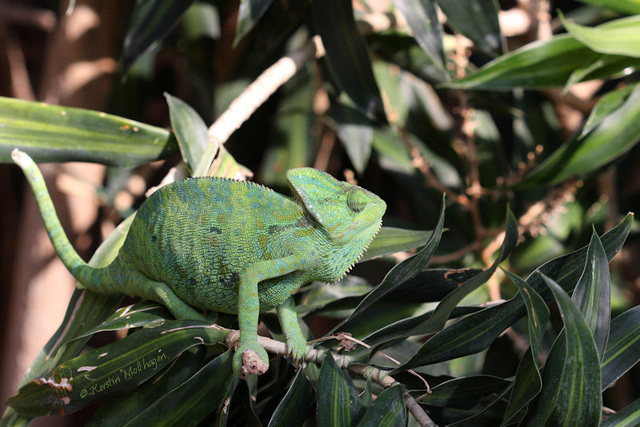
(250, 360)
(297, 347)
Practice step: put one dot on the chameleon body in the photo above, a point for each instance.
(230, 246)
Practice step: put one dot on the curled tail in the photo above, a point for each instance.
(70, 258)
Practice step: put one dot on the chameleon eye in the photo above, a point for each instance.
(356, 200)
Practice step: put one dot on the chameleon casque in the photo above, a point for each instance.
(230, 246)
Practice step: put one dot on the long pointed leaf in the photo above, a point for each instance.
(52, 133)
(573, 397)
(482, 328)
(623, 348)
(593, 293)
(338, 402)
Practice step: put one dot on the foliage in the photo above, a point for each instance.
(421, 108)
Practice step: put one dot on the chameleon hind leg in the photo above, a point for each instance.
(142, 286)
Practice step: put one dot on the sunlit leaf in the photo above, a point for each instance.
(51, 133)
(617, 37)
(249, 12)
(190, 130)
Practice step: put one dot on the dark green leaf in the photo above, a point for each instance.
(347, 55)
(121, 409)
(249, 13)
(627, 417)
(338, 403)
(293, 409)
(528, 381)
(441, 345)
(571, 382)
(387, 410)
(476, 331)
(465, 392)
(615, 135)
(204, 393)
(190, 131)
(592, 294)
(50, 133)
(402, 272)
(623, 348)
(423, 20)
(151, 21)
(112, 369)
(476, 19)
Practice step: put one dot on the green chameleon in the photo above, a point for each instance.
(230, 246)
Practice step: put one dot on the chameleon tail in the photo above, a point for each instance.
(70, 258)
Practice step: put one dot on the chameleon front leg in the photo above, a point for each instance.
(250, 358)
(296, 342)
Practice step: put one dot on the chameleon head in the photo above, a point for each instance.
(349, 215)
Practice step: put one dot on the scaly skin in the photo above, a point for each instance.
(230, 246)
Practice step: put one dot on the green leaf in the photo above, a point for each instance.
(571, 382)
(402, 272)
(623, 348)
(477, 20)
(338, 403)
(390, 240)
(151, 21)
(190, 131)
(542, 64)
(387, 410)
(592, 294)
(624, 6)
(480, 329)
(112, 369)
(294, 406)
(617, 37)
(51, 133)
(615, 135)
(194, 400)
(423, 20)
(627, 417)
(249, 13)
(347, 55)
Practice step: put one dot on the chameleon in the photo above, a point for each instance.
(229, 246)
